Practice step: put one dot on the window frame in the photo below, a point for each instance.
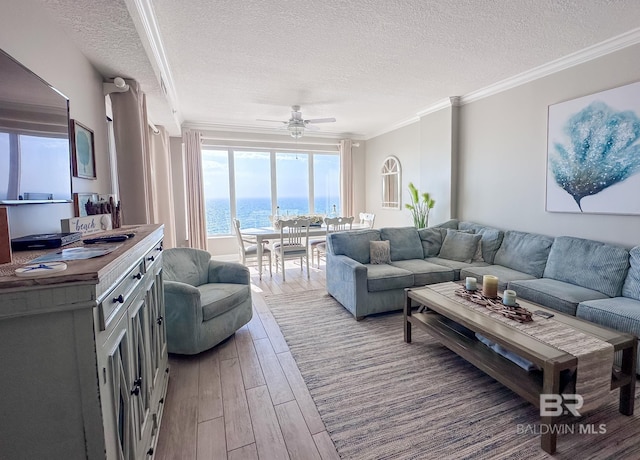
(273, 172)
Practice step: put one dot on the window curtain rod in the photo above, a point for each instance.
(153, 127)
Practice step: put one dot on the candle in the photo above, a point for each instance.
(509, 297)
(470, 283)
(490, 286)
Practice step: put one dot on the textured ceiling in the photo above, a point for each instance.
(368, 63)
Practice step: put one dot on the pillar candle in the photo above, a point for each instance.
(490, 286)
(509, 297)
(470, 283)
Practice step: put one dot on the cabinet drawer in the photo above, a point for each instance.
(120, 295)
(152, 257)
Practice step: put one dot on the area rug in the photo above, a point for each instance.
(381, 398)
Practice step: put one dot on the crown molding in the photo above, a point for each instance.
(587, 54)
(202, 126)
(452, 101)
(393, 127)
(143, 11)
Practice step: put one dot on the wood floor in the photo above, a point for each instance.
(245, 398)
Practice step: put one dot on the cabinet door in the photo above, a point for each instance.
(141, 366)
(116, 385)
(158, 336)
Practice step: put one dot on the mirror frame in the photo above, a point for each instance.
(391, 168)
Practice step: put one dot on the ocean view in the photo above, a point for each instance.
(255, 212)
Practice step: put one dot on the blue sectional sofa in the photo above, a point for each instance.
(595, 281)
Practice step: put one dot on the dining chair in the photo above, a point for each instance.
(293, 244)
(248, 249)
(367, 218)
(332, 224)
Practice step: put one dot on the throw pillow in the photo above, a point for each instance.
(459, 246)
(380, 252)
(478, 255)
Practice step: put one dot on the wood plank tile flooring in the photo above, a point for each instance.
(245, 398)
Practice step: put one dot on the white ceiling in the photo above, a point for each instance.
(371, 64)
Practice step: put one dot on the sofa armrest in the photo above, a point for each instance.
(228, 272)
(347, 282)
(183, 313)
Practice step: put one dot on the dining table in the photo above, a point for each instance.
(263, 234)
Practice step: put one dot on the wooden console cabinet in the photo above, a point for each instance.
(83, 356)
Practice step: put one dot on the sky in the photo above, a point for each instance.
(253, 177)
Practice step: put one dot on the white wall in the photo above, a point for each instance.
(503, 154)
(438, 154)
(403, 143)
(30, 37)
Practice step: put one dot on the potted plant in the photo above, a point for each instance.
(421, 204)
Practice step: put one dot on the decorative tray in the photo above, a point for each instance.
(516, 312)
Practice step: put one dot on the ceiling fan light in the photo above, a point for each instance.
(296, 131)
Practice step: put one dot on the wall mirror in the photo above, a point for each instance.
(391, 181)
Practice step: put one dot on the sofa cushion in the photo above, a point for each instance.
(354, 244)
(451, 223)
(219, 298)
(431, 239)
(384, 277)
(559, 295)
(455, 265)
(618, 313)
(425, 272)
(524, 252)
(459, 246)
(589, 264)
(491, 239)
(187, 265)
(380, 252)
(405, 242)
(504, 274)
(631, 287)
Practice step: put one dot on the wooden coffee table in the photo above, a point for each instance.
(442, 311)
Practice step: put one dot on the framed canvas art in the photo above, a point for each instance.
(83, 156)
(593, 153)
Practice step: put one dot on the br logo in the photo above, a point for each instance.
(554, 405)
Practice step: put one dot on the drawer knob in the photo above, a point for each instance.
(151, 258)
(150, 451)
(159, 248)
(138, 276)
(159, 320)
(118, 299)
(136, 390)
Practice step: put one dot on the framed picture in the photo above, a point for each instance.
(83, 156)
(80, 202)
(593, 153)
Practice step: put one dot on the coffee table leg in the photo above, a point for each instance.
(550, 385)
(628, 391)
(407, 313)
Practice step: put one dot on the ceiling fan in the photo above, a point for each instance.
(296, 125)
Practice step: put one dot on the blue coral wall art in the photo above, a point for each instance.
(593, 153)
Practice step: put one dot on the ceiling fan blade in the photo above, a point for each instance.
(274, 121)
(311, 127)
(321, 120)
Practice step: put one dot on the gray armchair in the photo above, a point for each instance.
(206, 300)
